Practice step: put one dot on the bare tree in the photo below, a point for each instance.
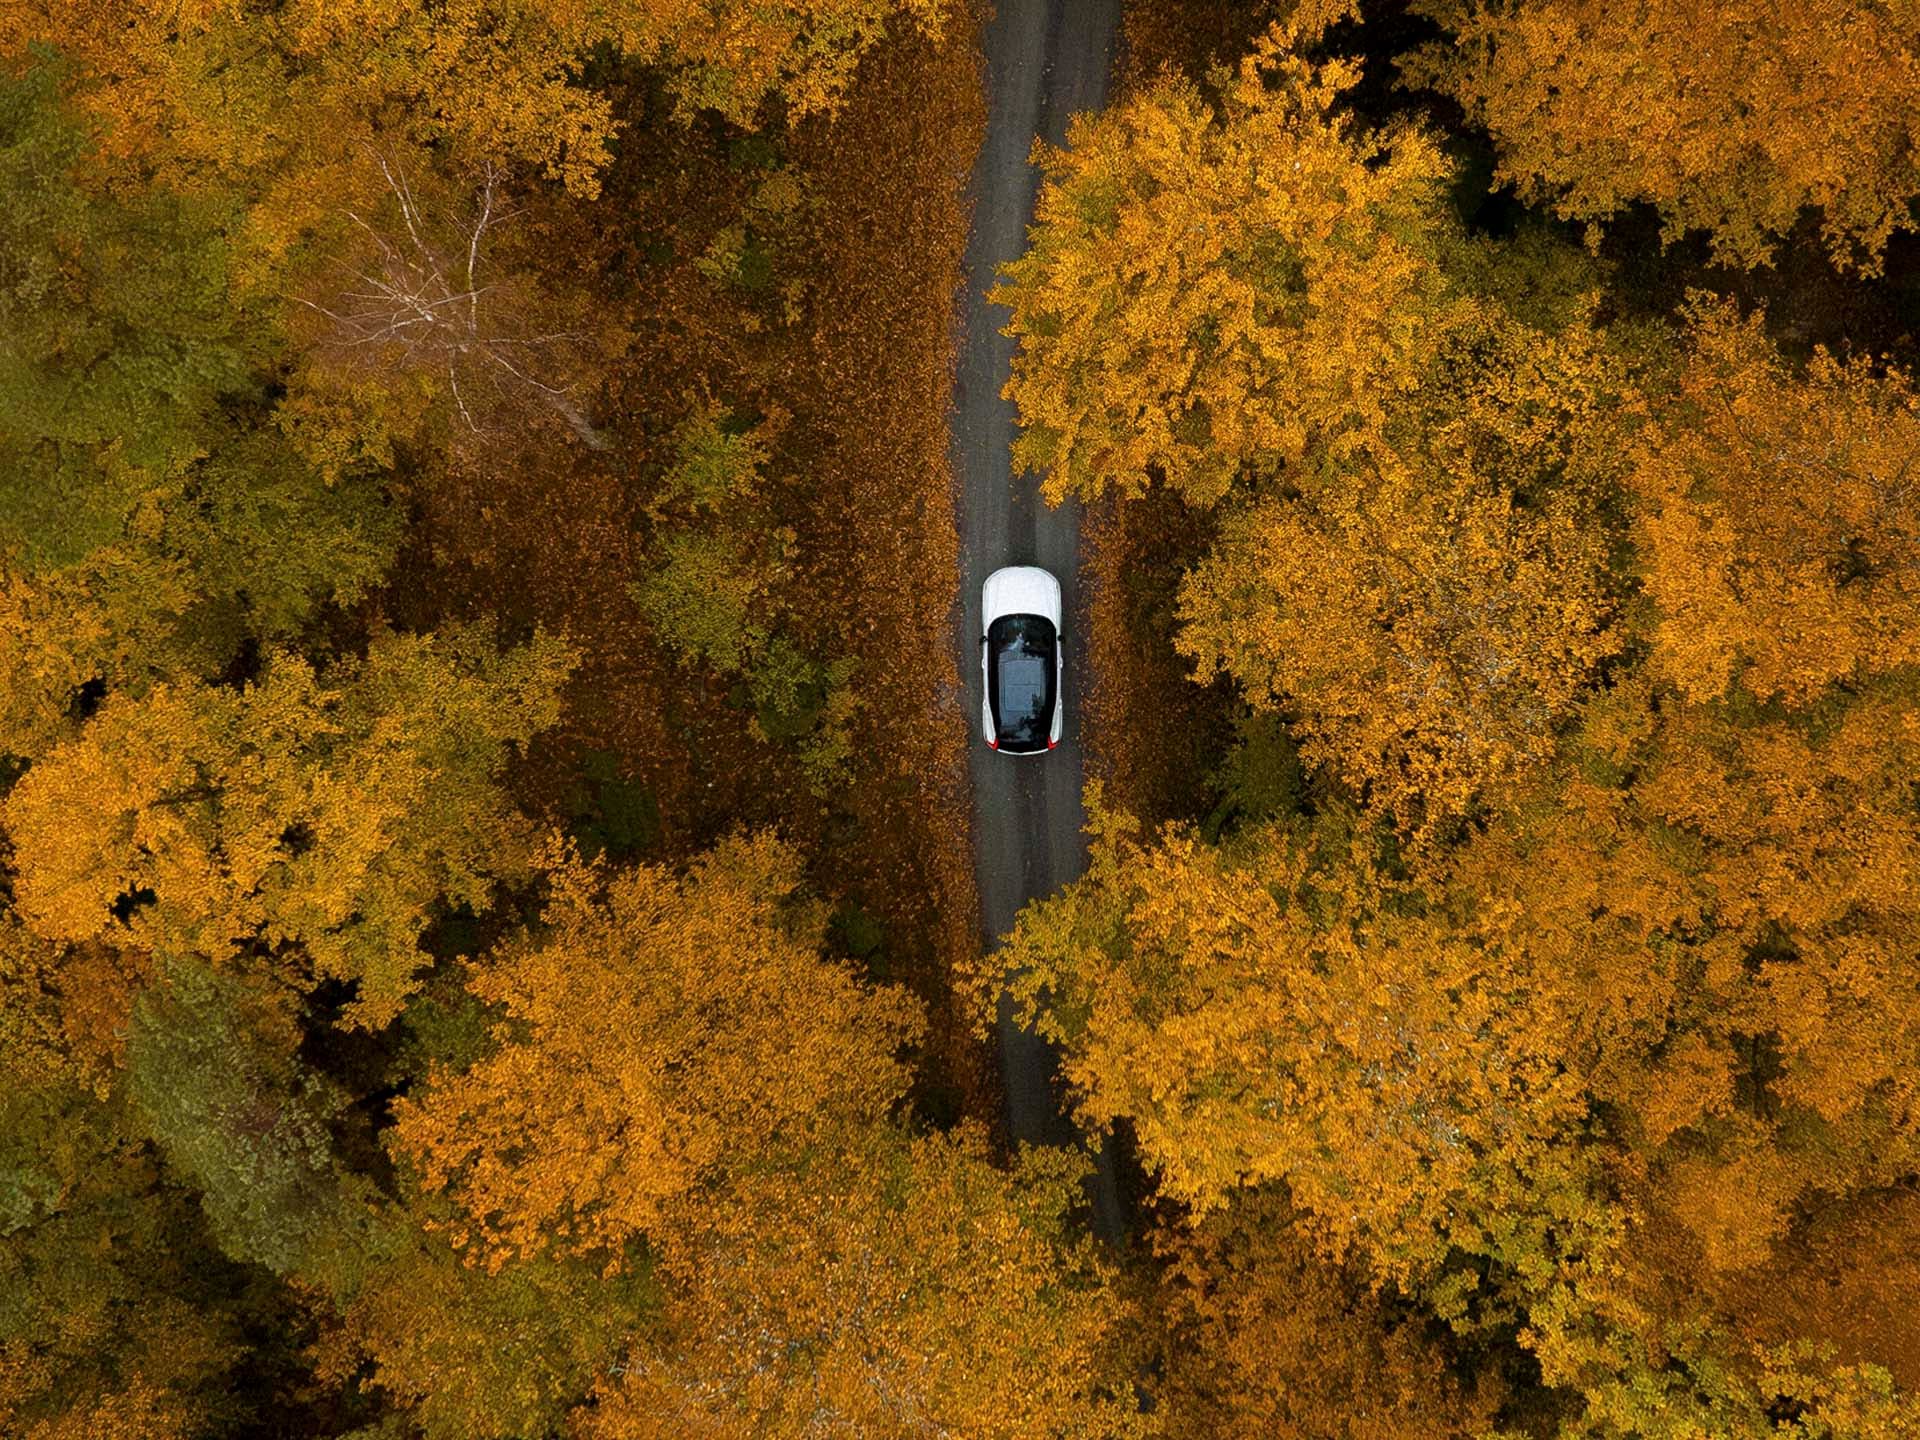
(420, 297)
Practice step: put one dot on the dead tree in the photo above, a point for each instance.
(420, 297)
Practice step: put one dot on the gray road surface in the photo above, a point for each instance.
(1046, 60)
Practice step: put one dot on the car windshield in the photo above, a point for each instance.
(1020, 680)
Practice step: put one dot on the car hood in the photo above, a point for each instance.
(1020, 590)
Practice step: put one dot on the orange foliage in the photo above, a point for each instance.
(1431, 606)
(1729, 118)
(211, 88)
(1848, 1277)
(900, 1288)
(1288, 1010)
(64, 1009)
(1268, 1342)
(1780, 515)
(138, 1412)
(659, 1031)
(1213, 286)
(328, 812)
(1726, 896)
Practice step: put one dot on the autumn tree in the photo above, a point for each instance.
(1623, 1350)
(890, 1287)
(152, 521)
(280, 101)
(1731, 120)
(1289, 1009)
(326, 812)
(1723, 893)
(1779, 517)
(1265, 1339)
(1411, 436)
(458, 1352)
(163, 1204)
(1428, 608)
(658, 1031)
(1720, 871)
(1843, 1277)
(1618, 1041)
(1214, 283)
(680, 1091)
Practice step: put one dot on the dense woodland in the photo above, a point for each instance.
(487, 945)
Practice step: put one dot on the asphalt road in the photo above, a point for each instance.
(1046, 60)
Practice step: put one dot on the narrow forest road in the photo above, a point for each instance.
(1046, 60)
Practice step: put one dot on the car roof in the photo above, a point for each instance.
(1022, 680)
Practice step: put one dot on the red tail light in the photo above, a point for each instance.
(1052, 743)
(993, 744)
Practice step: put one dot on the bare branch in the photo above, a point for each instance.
(400, 308)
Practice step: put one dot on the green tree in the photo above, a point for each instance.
(116, 1308)
(153, 518)
(465, 1353)
(715, 590)
(213, 1072)
(115, 335)
(712, 592)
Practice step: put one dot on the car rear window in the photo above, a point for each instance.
(1021, 679)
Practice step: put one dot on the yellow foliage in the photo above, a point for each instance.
(1778, 516)
(893, 1289)
(1212, 286)
(329, 813)
(217, 90)
(1730, 118)
(1289, 1012)
(1724, 899)
(114, 618)
(659, 1031)
(1266, 1341)
(1430, 607)
(136, 1412)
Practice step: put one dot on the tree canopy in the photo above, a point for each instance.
(1730, 121)
(327, 814)
(654, 1038)
(1215, 282)
(488, 947)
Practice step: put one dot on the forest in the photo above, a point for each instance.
(489, 945)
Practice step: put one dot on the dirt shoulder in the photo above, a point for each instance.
(845, 342)
(893, 172)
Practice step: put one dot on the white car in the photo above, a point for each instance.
(1022, 662)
